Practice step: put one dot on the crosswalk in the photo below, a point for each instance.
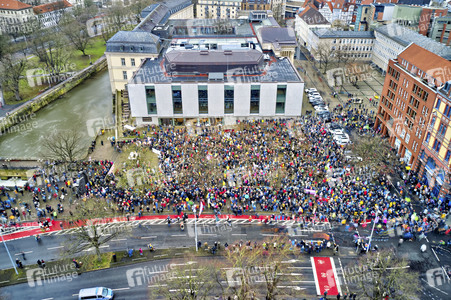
(317, 227)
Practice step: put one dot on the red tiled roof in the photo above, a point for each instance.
(427, 61)
(40, 9)
(13, 5)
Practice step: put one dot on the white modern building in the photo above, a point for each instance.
(392, 39)
(215, 80)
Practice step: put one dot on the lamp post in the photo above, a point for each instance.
(372, 231)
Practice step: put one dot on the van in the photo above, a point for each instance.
(99, 293)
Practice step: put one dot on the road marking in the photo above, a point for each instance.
(239, 234)
(161, 255)
(104, 246)
(121, 289)
(157, 285)
(138, 258)
(149, 237)
(47, 299)
(434, 287)
(302, 281)
(178, 235)
(24, 252)
(435, 254)
(343, 273)
(55, 247)
(266, 234)
(117, 240)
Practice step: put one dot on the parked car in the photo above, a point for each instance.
(341, 139)
(310, 90)
(320, 108)
(324, 115)
(336, 131)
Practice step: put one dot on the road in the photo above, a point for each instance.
(157, 232)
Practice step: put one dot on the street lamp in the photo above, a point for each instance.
(372, 231)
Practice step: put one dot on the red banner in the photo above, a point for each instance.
(325, 276)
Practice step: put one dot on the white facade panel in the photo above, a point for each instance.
(190, 100)
(163, 93)
(268, 93)
(138, 106)
(216, 100)
(293, 103)
(242, 99)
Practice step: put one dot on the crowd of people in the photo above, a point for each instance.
(285, 167)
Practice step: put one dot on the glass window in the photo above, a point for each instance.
(177, 100)
(124, 75)
(151, 101)
(281, 98)
(228, 99)
(255, 99)
(123, 61)
(203, 99)
(448, 154)
(428, 136)
(132, 60)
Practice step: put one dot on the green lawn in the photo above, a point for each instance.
(96, 49)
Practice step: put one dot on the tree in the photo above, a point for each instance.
(63, 146)
(5, 46)
(325, 54)
(11, 72)
(76, 32)
(340, 25)
(260, 271)
(382, 274)
(376, 155)
(50, 46)
(189, 280)
(137, 6)
(89, 221)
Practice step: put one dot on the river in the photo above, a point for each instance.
(86, 107)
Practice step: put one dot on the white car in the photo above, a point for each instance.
(337, 131)
(314, 94)
(311, 90)
(353, 158)
(320, 108)
(341, 139)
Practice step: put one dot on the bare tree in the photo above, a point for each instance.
(382, 275)
(63, 146)
(90, 222)
(340, 25)
(189, 280)
(11, 72)
(137, 6)
(76, 32)
(325, 54)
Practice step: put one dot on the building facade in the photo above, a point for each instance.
(407, 101)
(211, 9)
(354, 44)
(436, 148)
(392, 39)
(306, 20)
(15, 17)
(256, 5)
(50, 14)
(440, 30)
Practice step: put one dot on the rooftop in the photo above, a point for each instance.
(405, 36)
(278, 36)
(326, 33)
(13, 5)
(275, 70)
(428, 62)
(312, 17)
(133, 42)
(49, 7)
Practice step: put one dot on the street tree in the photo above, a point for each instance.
(261, 270)
(376, 155)
(11, 72)
(89, 221)
(190, 280)
(64, 145)
(324, 53)
(382, 275)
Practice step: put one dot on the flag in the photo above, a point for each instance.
(201, 208)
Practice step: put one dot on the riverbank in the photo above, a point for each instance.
(25, 112)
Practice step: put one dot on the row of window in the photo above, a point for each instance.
(393, 73)
(229, 95)
(132, 62)
(352, 41)
(447, 111)
(420, 92)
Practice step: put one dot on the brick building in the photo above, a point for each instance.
(407, 100)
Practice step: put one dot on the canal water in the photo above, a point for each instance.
(86, 108)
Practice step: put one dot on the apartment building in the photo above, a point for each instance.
(256, 5)
(440, 30)
(15, 16)
(50, 14)
(306, 20)
(212, 9)
(407, 102)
